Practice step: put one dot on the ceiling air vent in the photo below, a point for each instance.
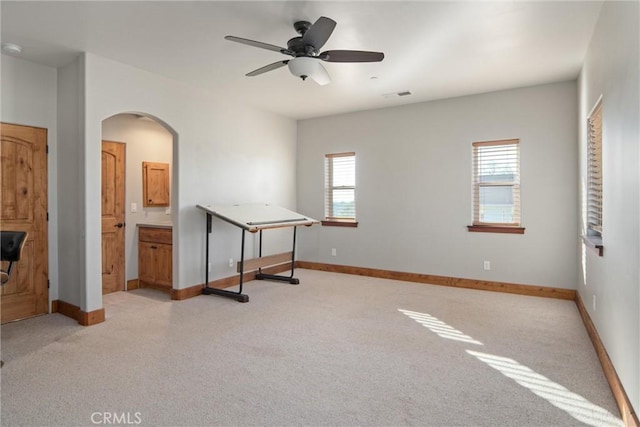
(395, 94)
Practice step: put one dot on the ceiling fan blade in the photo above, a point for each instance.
(318, 34)
(321, 76)
(259, 44)
(266, 68)
(351, 56)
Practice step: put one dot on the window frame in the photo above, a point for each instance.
(476, 184)
(329, 218)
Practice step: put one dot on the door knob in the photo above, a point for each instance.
(119, 225)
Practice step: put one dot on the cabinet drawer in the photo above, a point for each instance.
(156, 235)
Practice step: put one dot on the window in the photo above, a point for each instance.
(340, 189)
(594, 172)
(496, 186)
(594, 179)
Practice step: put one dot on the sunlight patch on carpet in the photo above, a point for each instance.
(574, 404)
(439, 327)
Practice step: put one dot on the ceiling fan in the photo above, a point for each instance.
(305, 50)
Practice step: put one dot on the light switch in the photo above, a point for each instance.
(134, 207)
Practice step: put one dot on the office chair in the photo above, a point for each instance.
(12, 244)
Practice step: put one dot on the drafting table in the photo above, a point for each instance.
(254, 218)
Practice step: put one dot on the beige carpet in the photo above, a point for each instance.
(335, 350)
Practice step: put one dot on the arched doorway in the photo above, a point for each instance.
(139, 139)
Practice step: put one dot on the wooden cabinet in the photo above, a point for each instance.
(155, 184)
(155, 257)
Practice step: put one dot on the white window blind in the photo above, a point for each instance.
(340, 186)
(496, 183)
(594, 172)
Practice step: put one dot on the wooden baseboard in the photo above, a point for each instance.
(627, 412)
(74, 312)
(67, 309)
(92, 318)
(190, 292)
(133, 284)
(512, 288)
(225, 282)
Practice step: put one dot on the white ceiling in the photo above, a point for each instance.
(433, 49)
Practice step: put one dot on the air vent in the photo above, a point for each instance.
(396, 94)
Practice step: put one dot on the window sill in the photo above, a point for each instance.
(496, 229)
(339, 223)
(595, 243)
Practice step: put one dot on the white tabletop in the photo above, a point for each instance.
(254, 217)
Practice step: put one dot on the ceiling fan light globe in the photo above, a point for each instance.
(303, 67)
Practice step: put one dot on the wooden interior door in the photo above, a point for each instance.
(113, 194)
(23, 182)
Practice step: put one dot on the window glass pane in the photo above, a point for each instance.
(344, 203)
(496, 204)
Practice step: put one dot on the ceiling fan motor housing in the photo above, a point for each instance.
(297, 46)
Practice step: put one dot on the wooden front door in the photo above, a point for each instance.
(113, 216)
(23, 153)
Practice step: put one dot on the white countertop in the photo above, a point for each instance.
(156, 224)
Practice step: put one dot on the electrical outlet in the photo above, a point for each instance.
(167, 211)
(230, 262)
(487, 265)
(333, 252)
(134, 207)
(594, 303)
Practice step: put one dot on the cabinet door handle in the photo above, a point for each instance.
(119, 225)
(154, 247)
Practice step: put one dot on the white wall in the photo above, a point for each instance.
(611, 70)
(225, 153)
(146, 141)
(71, 230)
(414, 186)
(29, 97)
